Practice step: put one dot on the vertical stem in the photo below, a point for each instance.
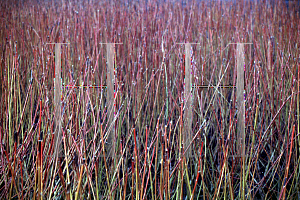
(187, 98)
(57, 98)
(136, 167)
(241, 112)
(57, 136)
(110, 79)
(240, 99)
(270, 82)
(79, 183)
(40, 156)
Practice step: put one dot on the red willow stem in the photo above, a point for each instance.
(198, 172)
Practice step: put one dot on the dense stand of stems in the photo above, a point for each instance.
(148, 125)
